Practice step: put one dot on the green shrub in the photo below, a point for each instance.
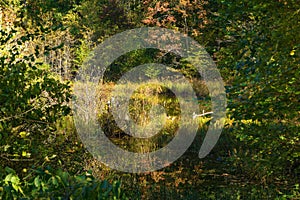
(266, 151)
(51, 184)
(32, 100)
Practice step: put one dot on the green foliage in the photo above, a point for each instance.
(32, 100)
(255, 45)
(258, 47)
(270, 151)
(51, 184)
(107, 17)
(128, 61)
(36, 10)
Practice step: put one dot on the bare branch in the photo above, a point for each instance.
(201, 115)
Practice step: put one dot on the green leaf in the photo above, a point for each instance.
(8, 178)
(10, 170)
(37, 182)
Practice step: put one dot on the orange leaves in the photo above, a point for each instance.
(184, 2)
(147, 21)
(189, 16)
(171, 18)
(162, 7)
(157, 176)
(157, 10)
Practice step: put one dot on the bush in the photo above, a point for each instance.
(51, 184)
(32, 100)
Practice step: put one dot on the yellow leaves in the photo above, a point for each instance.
(26, 154)
(271, 60)
(24, 134)
(250, 121)
(204, 120)
(252, 17)
(292, 53)
(47, 159)
(229, 121)
(244, 121)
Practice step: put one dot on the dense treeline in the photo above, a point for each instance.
(255, 44)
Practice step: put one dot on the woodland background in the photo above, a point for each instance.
(256, 46)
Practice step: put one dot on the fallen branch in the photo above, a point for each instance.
(201, 115)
